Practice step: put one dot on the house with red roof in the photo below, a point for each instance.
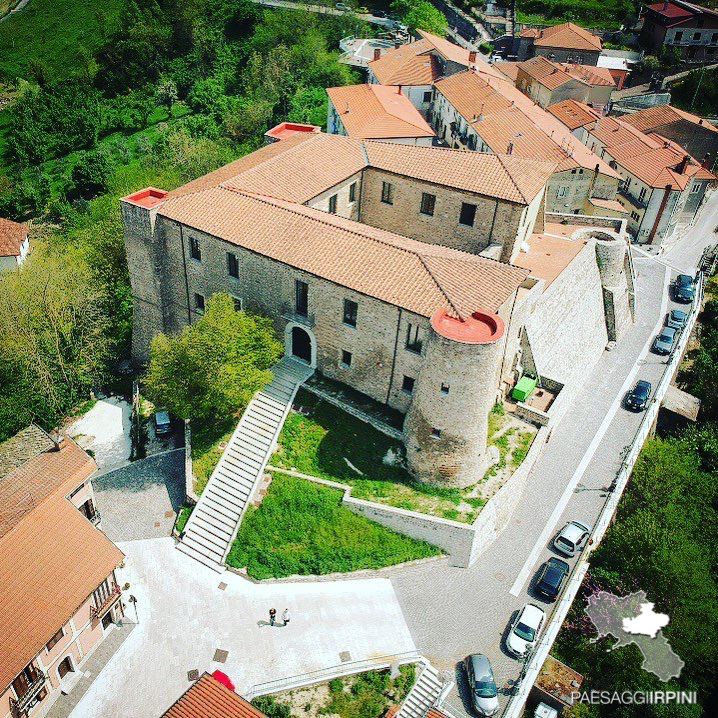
(14, 244)
(689, 28)
(59, 597)
(567, 42)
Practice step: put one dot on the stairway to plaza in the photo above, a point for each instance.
(423, 694)
(215, 520)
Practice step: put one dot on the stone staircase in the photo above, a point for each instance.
(214, 523)
(423, 695)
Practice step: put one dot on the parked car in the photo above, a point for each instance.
(379, 13)
(163, 424)
(571, 538)
(684, 290)
(482, 685)
(676, 319)
(663, 343)
(525, 630)
(551, 578)
(637, 398)
(343, 7)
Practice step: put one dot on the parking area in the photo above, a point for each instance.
(141, 500)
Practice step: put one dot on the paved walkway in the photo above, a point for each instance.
(140, 500)
(64, 705)
(185, 616)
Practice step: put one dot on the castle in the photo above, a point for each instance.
(428, 279)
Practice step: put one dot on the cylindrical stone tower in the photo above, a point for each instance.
(446, 426)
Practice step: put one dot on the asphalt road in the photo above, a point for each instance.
(453, 612)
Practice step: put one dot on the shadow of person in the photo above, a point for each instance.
(263, 623)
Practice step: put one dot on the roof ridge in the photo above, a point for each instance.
(518, 189)
(422, 259)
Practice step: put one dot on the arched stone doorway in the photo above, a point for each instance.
(64, 667)
(301, 344)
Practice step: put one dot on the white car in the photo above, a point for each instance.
(525, 630)
(572, 538)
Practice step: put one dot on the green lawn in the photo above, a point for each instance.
(323, 441)
(182, 518)
(302, 528)
(53, 32)
(206, 451)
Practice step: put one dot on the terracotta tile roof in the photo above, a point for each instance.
(548, 255)
(377, 112)
(594, 76)
(573, 114)
(416, 276)
(208, 698)
(672, 11)
(508, 116)
(510, 69)
(651, 158)
(12, 235)
(51, 558)
(611, 204)
(568, 36)
(447, 49)
(654, 118)
(25, 445)
(410, 64)
(553, 74)
(511, 178)
(44, 474)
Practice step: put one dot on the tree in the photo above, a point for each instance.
(650, 63)
(213, 368)
(91, 173)
(421, 15)
(167, 93)
(309, 104)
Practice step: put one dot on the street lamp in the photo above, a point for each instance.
(133, 601)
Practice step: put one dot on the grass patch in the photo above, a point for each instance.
(206, 451)
(302, 528)
(83, 408)
(182, 518)
(321, 443)
(53, 32)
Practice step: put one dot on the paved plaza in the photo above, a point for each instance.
(184, 617)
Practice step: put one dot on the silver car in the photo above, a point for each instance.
(572, 538)
(676, 319)
(482, 685)
(663, 343)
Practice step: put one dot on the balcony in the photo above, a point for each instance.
(634, 201)
(290, 313)
(27, 700)
(97, 612)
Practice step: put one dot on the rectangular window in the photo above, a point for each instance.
(237, 304)
(428, 201)
(55, 639)
(444, 388)
(387, 193)
(199, 302)
(413, 338)
(353, 192)
(427, 96)
(232, 265)
(561, 192)
(301, 297)
(350, 312)
(333, 204)
(696, 36)
(467, 214)
(678, 36)
(407, 385)
(194, 249)
(635, 216)
(101, 594)
(642, 194)
(435, 433)
(23, 682)
(714, 38)
(696, 188)
(346, 359)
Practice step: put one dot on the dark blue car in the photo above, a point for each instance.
(551, 578)
(684, 290)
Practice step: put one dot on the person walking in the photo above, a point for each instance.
(285, 617)
(272, 616)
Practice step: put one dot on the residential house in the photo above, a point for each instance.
(547, 82)
(662, 185)
(415, 67)
(59, 595)
(208, 698)
(690, 29)
(695, 134)
(575, 116)
(376, 112)
(567, 42)
(14, 244)
(478, 111)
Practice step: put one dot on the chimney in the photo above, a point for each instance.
(700, 121)
(666, 143)
(706, 161)
(377, 53)
(596, 168)
(398, 89)
(397, 44)
(472, 57)
(684, 163)
(510, 148)
(347, 110)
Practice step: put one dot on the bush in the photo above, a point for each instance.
(91, 173)
(302, 528)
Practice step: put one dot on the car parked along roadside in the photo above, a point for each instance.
(571, 538)
(525, 630)
(482, 685)
(551, 578)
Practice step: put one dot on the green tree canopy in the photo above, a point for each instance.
(214, 366)
(421, 15)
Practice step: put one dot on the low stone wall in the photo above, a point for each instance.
(532, 415)
(463, 543)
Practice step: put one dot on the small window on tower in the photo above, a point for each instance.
(407, 385)
(436, 433)
(444, 388)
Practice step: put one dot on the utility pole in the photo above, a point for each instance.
(698, 86)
